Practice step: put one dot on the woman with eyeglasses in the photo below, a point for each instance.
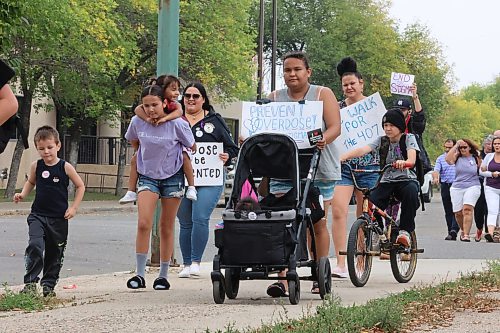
(490, 169)
(466, 187)
(207, 126)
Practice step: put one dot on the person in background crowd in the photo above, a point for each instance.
(352, 87)
(490, 169)
(444, 174)
(206, 126)
(466, 188)
(481, 209)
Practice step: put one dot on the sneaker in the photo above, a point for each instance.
(29, 288)
(195, 269)
(48, 291)
(403, 238)
(191, 193)
(186, 272)
(128, 198)
(479, 232)
(341, 273)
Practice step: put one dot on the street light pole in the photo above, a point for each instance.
(274, 41)
(167, 62)
(260, 50)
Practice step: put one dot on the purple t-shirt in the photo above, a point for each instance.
(490, 181)
(160, 147)
(466, 173)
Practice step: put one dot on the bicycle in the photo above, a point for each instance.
(360, 250)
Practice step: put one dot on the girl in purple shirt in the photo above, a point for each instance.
(490, 169)
(159, 164)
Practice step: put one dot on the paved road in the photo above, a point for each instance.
(104, 243)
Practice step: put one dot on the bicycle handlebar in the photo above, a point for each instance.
(407, 165)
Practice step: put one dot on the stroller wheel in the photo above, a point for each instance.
(294, 291)
(218, 291)
(324, 277)
(232, 282)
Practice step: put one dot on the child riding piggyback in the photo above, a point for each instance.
(398, 180)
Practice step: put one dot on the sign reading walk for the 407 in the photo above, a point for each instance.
(361, 123)
(291, 118)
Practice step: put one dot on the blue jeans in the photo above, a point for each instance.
(193, 219)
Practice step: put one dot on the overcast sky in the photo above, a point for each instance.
(468, 30)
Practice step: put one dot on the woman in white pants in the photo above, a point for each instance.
(490, 169)
(466, 188)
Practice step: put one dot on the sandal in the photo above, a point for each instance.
(161, 284)
(464, 238)
(315, 288)
(136, 282)
(277, 289)
(488, 237)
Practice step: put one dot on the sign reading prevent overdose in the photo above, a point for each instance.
(361, 123)
(292, 118)
(207, 165)
(401, 83)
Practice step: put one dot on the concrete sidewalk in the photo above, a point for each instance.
(86, 207)
(102, 303)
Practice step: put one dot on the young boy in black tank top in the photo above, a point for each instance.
(48, 220)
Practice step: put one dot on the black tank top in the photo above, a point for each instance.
(51, 198)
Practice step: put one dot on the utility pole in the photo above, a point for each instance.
(274, 40)
(260, 50)
(167, 62)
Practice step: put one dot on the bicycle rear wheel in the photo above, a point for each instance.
(359, 261)
(403, 264)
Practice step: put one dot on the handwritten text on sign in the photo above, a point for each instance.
(401, 83)
(291, 118)
(361, 123)
(207, 165)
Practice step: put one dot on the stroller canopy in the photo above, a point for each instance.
(267, 155)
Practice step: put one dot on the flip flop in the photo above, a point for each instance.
(488, 237)
(277, 289)
(136, 282)
(464, 238)
(161, 284)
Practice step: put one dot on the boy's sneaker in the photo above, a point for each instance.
(128, 198)
(191, 193)
(185, 273)
(404, 238)
(48, 291)
(29, 288)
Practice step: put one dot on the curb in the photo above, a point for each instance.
(81, 211)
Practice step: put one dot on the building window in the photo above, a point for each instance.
(234, 127)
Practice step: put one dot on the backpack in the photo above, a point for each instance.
(8, 131)
(418, 168)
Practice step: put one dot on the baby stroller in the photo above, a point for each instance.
(254, 244)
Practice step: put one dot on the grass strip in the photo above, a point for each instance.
(426, 305)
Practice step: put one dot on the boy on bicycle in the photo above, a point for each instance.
(399, 181)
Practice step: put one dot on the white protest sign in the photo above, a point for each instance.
(291, 118)
(361, 123)
(207, 166)
(401, 83)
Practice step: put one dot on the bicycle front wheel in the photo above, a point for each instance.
(359, 260)
(403, 264)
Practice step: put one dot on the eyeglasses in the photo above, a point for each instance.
(463, 147)
(447, 147)
(194, 96)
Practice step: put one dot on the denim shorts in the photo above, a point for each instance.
(326, 187)
(172, 187)
(364, 180)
